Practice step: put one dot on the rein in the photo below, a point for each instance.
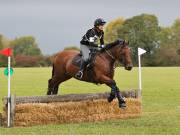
(110, 54)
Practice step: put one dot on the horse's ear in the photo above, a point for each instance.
(126, 42)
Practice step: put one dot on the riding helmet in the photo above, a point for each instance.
(99, 21)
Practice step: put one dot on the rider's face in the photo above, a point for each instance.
(101, 27)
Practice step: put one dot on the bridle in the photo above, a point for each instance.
(110, 54)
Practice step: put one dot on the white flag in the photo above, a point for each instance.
(141, 51)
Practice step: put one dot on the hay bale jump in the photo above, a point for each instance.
(71, 108)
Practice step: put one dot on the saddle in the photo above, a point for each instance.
(78, 58)
(89, 68)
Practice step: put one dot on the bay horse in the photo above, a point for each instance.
(103, 68)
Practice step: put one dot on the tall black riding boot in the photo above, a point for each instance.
(79, 74)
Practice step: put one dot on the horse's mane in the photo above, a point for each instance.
(111, 45)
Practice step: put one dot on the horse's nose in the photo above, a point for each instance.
(129, 67)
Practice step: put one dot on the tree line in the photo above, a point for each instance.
(26, 52)
(161, 43)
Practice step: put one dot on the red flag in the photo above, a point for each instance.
(6, 52)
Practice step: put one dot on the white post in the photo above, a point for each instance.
(9, 91)
(140, 52)
(140, 78)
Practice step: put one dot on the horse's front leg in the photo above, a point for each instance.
(115, 92)
(115, 89)
(112, 95)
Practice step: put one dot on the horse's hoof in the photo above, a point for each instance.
(122, 105)
(79, 75)
(110, 98)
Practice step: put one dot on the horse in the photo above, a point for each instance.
(102, 71)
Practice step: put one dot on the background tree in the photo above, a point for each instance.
(1, 44)
(26, 61)
(25, 46)
(167, 56)
(3, 59)
(141, 31)
(111, 30)
(165, 36)
(176, 34)
(168, 53)
(176, 31)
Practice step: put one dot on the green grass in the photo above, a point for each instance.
(161, 102)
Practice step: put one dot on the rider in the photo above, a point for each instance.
(93, 39)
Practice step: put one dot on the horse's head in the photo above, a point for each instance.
(123, 54)
(119, 50)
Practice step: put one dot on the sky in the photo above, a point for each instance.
(60, 23)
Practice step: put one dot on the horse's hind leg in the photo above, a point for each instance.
(54, 84)
(49, 87)
(66, 77)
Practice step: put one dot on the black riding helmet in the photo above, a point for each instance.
(99, 21)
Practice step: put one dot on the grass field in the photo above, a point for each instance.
(161, 102)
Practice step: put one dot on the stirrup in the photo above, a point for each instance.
(79, 75)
